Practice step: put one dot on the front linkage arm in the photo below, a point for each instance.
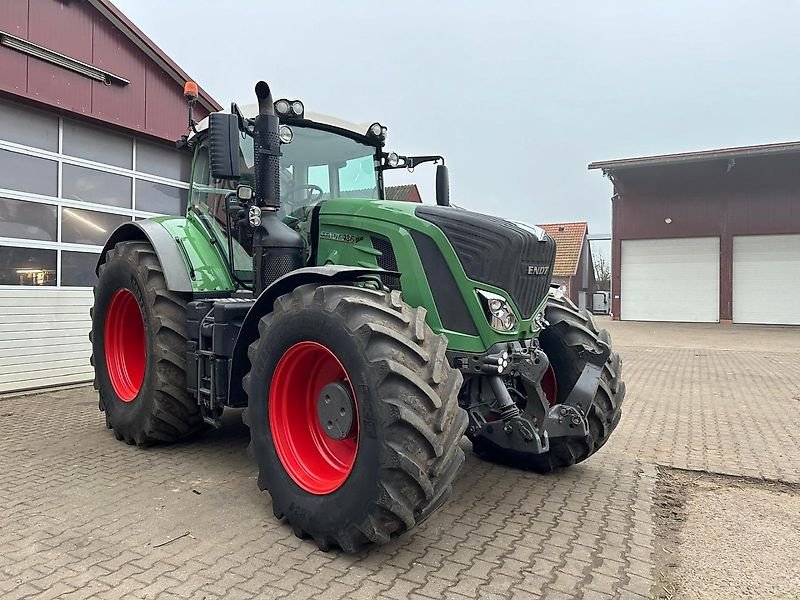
(530, 430)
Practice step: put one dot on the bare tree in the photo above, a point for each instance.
(602, 273)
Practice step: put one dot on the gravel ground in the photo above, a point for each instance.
(727, 537)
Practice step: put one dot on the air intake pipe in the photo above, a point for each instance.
(277, 248)
(267, 146)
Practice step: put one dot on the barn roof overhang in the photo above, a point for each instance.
(721, 154)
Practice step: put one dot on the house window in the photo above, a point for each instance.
(80, 226)
(25, 173)
(91, 185)
(27, 266)
(160, 198)
(77, 268)
(22, 125)
(164, 162)
(97, 145)
(28, 220)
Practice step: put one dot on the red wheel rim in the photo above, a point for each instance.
(126, 350)
(316, 462)
(550, 385)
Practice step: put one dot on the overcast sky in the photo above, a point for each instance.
(519, 96)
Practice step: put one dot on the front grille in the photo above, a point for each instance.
(386, 261)
(498, 252)
(453, 312)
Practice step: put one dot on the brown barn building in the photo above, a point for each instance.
(707, 236)
(574, 268)
(90, 109)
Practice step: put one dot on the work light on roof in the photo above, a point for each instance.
(286, 134)
(282, 107)
(298, 109)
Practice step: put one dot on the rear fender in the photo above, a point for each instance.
(175, 271)
(324, 275)
(191, 259)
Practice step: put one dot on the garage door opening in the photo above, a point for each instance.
(670, 280)
(766, 279)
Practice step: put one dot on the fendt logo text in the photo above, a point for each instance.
(537, 270)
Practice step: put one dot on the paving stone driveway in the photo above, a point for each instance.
(86, 516)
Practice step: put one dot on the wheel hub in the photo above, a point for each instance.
(335, 410)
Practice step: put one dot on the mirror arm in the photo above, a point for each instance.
(411, 162)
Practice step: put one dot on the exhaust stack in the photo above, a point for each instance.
(277, 248)
(267, 147)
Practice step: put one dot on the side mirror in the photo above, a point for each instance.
(223, 145)
(442, 185)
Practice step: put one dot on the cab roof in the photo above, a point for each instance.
(251, 111)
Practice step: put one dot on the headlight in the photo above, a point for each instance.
(498, 311)
(286, 134)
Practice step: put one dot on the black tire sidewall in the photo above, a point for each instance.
(122, 273)
(348, 503)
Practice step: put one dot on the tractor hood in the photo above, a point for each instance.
(507, 255)
(450, 258)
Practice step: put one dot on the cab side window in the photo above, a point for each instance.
(207, 194)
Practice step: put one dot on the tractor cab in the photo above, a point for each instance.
(321, 158)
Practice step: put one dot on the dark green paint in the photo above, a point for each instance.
(354, 219)
(204, 255)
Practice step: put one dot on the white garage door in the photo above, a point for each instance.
(766, 279)
(44, 337)
(670, 280)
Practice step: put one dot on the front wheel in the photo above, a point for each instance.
(353, 414)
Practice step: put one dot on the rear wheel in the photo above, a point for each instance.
(139, 349)
(353, 414)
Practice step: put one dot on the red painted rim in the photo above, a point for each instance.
(316, 462)
(550, 386)
(126, 349)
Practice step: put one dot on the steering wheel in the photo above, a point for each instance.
(314, 194)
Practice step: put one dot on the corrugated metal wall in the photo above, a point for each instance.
(153, 101)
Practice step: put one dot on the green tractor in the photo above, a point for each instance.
(363, 337)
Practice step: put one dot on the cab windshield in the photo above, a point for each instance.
(318, 165)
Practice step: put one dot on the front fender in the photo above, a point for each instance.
(324, 275)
